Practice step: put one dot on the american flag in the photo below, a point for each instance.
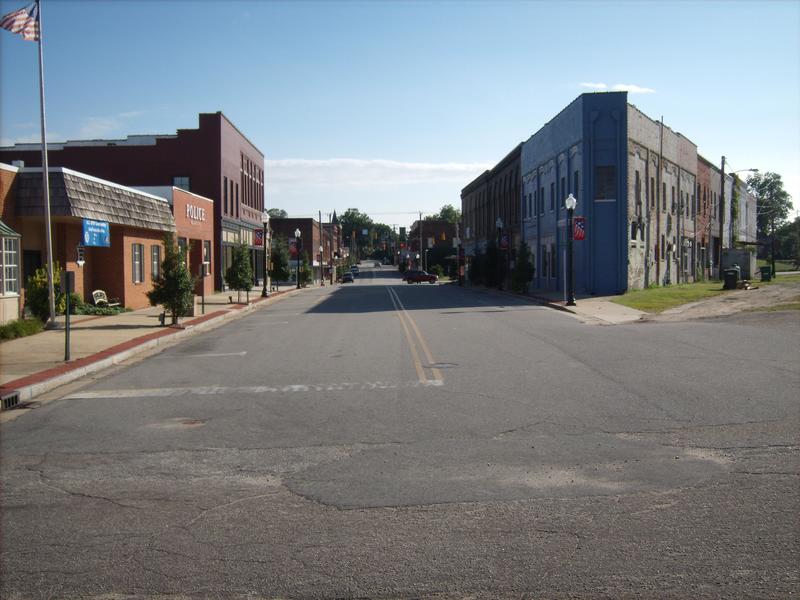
(579, 228)
(24, 21)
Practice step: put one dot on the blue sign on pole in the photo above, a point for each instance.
(96, 233)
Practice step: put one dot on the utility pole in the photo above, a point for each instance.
(659, 200)
(420, 234)
(721, 219)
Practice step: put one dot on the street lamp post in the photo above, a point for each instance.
(499, 224)
(298, 245)
(265, 222)
(418, 263)
(425, 262)
(321, 272)
(570, 203)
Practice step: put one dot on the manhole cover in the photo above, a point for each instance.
(442, 365)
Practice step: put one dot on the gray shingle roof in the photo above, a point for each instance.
(74, 194)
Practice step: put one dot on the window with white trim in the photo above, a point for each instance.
(137, 254)
(155, 261)
(9, 274)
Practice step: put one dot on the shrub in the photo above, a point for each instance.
(174, 287)
(20, 328)
(37, 293)
(239, 275)
(437, 270)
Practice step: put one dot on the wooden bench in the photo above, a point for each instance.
(100, 299)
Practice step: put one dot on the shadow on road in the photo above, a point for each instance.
(370, 294)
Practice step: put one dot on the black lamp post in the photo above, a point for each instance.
(321, 270)
(265, 241)
(298, 245)
(499, 224)
(570, 203)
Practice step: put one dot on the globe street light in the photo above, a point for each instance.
(570, 203)
(265, 222)
(298, 244)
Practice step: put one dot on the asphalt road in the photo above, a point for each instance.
(383, 440)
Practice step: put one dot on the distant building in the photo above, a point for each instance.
(493, 195)
(215, 161)
(313, 236)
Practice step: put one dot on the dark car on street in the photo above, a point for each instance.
(347, 278)
(419, 277)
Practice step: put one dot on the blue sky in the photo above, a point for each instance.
(392, 107)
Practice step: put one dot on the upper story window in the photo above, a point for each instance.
(182, 182)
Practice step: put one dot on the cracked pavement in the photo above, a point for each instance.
(555, 459)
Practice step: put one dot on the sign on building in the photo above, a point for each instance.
(96, 233)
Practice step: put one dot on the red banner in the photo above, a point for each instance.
(578, 228)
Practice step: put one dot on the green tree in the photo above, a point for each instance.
(773, 202)
(522, 274)
(355, 222)
(239, 275)
(277, 213)
(305, 270)
(280, 270)
(174, 287)
(448, 213)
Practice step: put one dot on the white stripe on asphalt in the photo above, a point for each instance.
(242, 353)
(219, 390)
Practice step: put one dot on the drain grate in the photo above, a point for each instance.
(10, 400)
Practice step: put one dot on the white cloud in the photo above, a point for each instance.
(632, 88)
(618, 87)
(98, 127)
(295, 174)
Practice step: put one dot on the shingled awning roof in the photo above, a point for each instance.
(6, 231)
(74, 194)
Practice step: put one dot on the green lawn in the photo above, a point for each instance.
(780, 265)
(659, 299)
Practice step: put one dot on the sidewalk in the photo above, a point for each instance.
(33, 365)
(593, 309)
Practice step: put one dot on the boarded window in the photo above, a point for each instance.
(605, 183)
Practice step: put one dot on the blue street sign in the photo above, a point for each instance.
(96, 233)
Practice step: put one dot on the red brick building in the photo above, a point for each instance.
(194, 223)
(215, 160)
(137, 222)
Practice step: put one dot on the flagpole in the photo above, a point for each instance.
(51, 324)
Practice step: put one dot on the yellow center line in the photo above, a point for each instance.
(414, 354)
(437, 374)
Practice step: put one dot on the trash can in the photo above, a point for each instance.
(766, 273)
(731, 278)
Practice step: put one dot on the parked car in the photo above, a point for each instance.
(419, 277)
(347, 278)
(354, 270)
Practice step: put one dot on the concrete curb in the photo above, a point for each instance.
(30, 388)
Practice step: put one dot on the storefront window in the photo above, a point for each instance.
(155, 261)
